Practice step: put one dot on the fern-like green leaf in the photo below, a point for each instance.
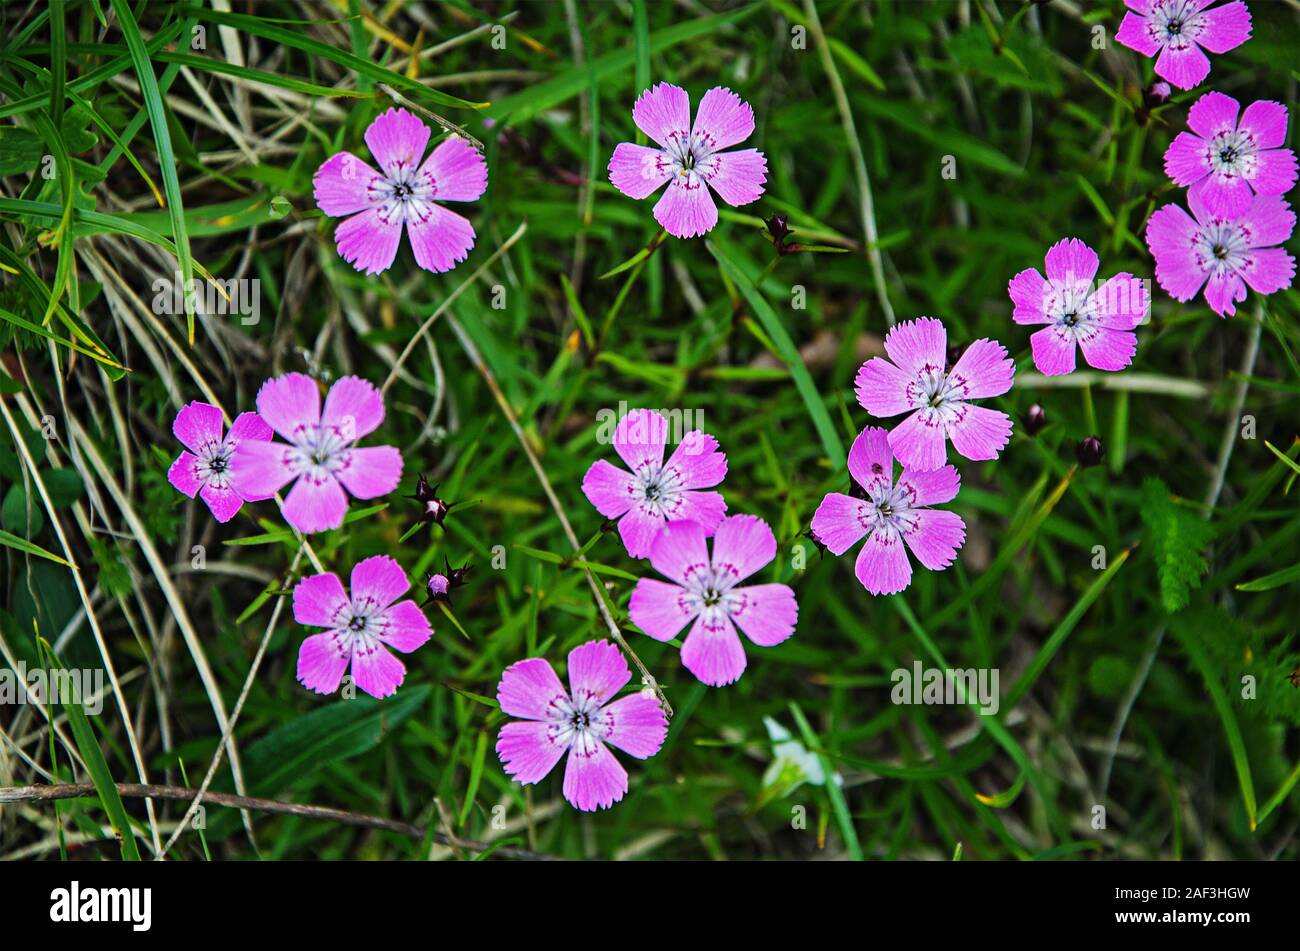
(1177, 537)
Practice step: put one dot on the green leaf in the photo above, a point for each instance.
(21, 544)
(1275, 580)
(21, 150)
(1177, 537)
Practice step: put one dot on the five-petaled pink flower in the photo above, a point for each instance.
(1100, 321)
(705, 589)
(654, 492)
(204, 468)
(916, 380)
(890, 513)
(1224, 255)
(404, 193)
(1225, 161)
(320, 453)
(689, 156)
(580, 722)
(1178, 29)
(360, 629)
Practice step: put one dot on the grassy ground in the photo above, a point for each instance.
(1109, 598)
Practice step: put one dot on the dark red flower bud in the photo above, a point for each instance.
(1089, 451)
(1034, 420)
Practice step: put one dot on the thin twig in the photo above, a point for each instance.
(326, 813)
(475, 358)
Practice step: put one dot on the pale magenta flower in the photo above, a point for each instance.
(203, 469)
(1176, 32)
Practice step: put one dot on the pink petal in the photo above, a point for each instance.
(1269, 221)
(636, 725)
(322, 659)
(1184, 68)
(458, 169)
(377, 582)
(638, 170)
(405, 628)
(1053, 349)
(660, 609)
(528, 688)
(342, 185)
(608, 488)
(640, 437)
(224, 503)
(638, 529)
(315, 505)
(679, 551)
(1133, 34)
(1269, 270)
(1070, 261)
(930, 488)
(919, 441)
(355, 406)
(881, 388)
(935, 537)
(743, 544)
(737, 177)
(258, 469)
(882, 565)
(527, 751)
(1226, 27)
(685, 210)
(1186, 159)
(1171, 234)
(1275, 173)
(441, 239)
(1223, 197)
(663, 110)
(1028, 291)
(249, 426)
(916, 344)
(1106, 349)
(1266, 121)
(706, 508)
(396, 139)
(871, 461)
(723, 119)
(320, 601)
(983, 370)
(367, 242)
(198, 426)
(288, 403)
(1223, 291)
(767, 613)
(838, 522)
(1121, 303)
(183, 476)
(597, 669)
(697, 460)
(371, 471)
(716, 657)
(375, 670)
(980, 433)
(593, 779)
(1213, 113)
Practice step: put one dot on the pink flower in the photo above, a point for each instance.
(1227, 161)
(204, 468)
(579, 722)
(653, 493)
(916, 380)
(360, 629)
(704, 589)
(1099, 321)
(889, 514)
(1178, 29)
(687, 159)
(320, 454)
(1224, 255)
(404, 193)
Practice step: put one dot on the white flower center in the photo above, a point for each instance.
(657, 489)
(689, 158)
(1175, 23)
(1232, 153)
(404, 196)
(1222, 247)
(214, 463)
(319, 451)
(578, 724)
